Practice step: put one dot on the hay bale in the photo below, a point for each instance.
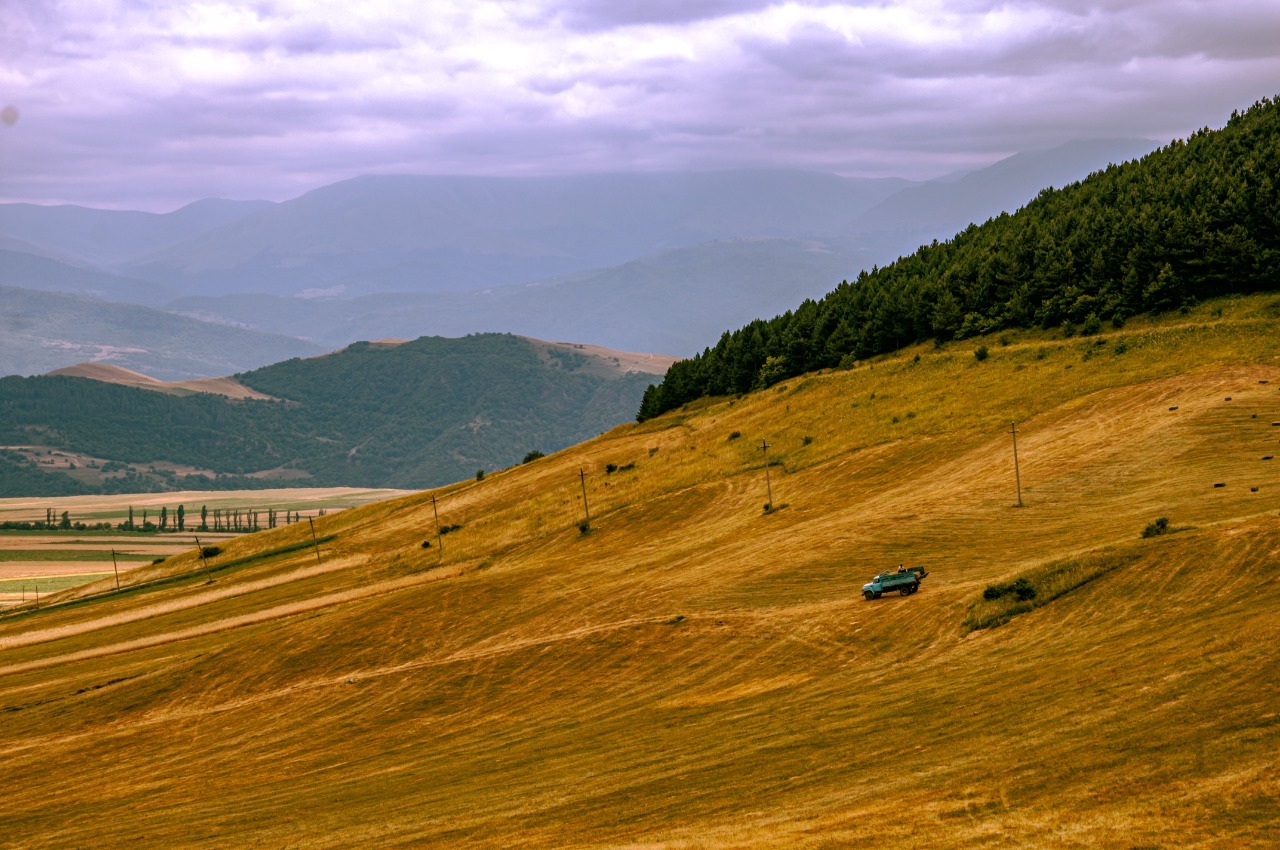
(1175, 407)
(1222, 484)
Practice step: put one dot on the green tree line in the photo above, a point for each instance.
(1196, 219)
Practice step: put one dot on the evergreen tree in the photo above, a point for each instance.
(1194, 220)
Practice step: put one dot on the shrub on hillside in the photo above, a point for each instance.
(532, 456)
(1155, 529)
(1021, 588)
(981, 353)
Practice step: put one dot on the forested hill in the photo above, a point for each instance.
(1197, 218)
(416, 414)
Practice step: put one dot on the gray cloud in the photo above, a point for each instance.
(595, 15)
(153, 105)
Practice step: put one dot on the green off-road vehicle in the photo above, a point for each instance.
(904, 580)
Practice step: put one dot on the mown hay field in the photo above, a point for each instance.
(693, 672)
(45, 561)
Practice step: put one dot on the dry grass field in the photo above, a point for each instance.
(40, 562)
(694, 672)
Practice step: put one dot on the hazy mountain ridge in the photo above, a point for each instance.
(599, 259)
(940, 208)
(43, 331)
(107, 237)
(432, 234)
(631, 306)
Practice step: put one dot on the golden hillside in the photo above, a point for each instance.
(111, 374)
(697, 673)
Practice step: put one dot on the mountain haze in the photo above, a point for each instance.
(600, 259)
(672, 302)
(940, 208)
(109, 237)
(43, 331)
(432, 234)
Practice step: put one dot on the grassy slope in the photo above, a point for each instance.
(540, 688)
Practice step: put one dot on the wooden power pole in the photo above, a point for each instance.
(203, 559)
(582, 475)
(1017, 475)
(764, 446)
(314, 541)
(115, 567)
(439, 542)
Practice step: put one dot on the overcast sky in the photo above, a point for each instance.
(150, 104)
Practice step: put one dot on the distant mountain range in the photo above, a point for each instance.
(42, 331)
(394, 413)
(598, 258)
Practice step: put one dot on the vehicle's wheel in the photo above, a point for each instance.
(877, 596)
(906, 591)
(868, 595)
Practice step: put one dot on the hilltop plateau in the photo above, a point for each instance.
(696, 671)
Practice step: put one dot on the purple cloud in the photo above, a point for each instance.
(151, 104)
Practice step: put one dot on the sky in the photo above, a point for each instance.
(151, 104)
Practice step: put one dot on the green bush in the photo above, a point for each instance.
(1155, 529)
(532, 456)
(1021, 588)
(981, 353)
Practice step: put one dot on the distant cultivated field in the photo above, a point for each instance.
(696, 672)
(48, 561)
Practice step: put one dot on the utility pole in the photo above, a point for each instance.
(439, 542)
(1017, 476)
(314, 541)
(203, 559)
(582, 475)
(115, 567)
(764, 446)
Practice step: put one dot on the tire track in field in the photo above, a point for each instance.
(285, 610)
